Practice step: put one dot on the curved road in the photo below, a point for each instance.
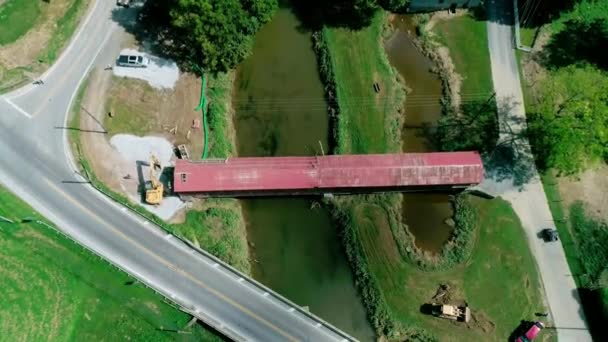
(36, 165)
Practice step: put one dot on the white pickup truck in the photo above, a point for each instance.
(124, 3)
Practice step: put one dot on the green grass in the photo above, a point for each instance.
(467, 40)
(53, 290)
(392, 287)
(128, 118)
(219, 95)
(16, 18)
(499, 281)
(527, 35)
(65, 28)
(368, 122)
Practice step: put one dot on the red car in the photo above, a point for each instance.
(531, 333)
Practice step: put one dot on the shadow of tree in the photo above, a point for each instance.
(579, 42)
(352, 14)
(149, 25)
(512, 156)
(536, 13)
(474, 127)
(491, 129)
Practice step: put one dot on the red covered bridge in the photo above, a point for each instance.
(328, 174)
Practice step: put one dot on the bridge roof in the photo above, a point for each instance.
(328, 172)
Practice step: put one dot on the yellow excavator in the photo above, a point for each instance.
(154, 189)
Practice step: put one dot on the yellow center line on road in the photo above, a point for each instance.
(170, 265)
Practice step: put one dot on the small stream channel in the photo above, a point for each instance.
(280, 110)
(424, 213)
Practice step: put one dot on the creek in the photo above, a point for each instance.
(280, 110)
(424, 213)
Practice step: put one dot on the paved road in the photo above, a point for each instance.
(529, 201)
(36, 166)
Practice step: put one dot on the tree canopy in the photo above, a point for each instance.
(567, 47)
(568, 121)
(216, 34)
(353, 14)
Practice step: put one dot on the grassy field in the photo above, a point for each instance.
(368, 122)
(16, 18)
(498, 301)
(53, 290)
(216, 225)
(392, 287)
(467, 40)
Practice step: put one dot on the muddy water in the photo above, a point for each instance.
(280, 111)
(425, 214)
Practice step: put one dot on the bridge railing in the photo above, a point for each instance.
(216, 324)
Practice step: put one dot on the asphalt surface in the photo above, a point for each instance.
(36, 165)
(529, 201)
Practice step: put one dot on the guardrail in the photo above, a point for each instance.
(238, 275)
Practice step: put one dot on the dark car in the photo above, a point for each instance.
(549, 234)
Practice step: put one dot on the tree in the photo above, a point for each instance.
(567, 47)
(569, 119)
(216, 34)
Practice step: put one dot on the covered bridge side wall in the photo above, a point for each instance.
(436, 5)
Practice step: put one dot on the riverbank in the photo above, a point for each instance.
(32, 35)
(40, 267)
(393, 278)
(280, 110)
(216, 225)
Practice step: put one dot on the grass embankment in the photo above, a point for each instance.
(390, 277)
(368, 122)
(16, 18)
(467, 40)
(53, 290)
(216, 225)
(35, 32)
(498, 280)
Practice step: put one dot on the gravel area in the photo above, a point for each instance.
(136, 152)
(160, 73)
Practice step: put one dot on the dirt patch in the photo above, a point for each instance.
(444, 15)
(590, 187)
(448, 293)
(102, 157)
(451, 294)
(533, 71)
